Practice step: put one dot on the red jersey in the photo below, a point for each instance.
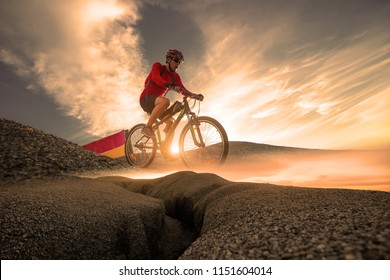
(155, 82)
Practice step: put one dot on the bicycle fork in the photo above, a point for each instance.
(196, 134)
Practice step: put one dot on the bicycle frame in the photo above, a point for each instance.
(203, 140)
(191, 119)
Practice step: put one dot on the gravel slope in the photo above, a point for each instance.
(27, 153)
(46, 215)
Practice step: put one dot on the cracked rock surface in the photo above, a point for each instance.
(47, 213)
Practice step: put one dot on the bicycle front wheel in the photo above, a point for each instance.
(203, 143)
(139, 149)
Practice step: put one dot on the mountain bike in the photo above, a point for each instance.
(203, 141)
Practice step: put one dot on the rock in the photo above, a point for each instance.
(28, 153)
(78, 218)
(45, 213)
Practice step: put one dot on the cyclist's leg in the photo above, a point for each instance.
(148, 103)
(161, 104)
(168, 124)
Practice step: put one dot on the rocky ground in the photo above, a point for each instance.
(27, 153)
(48, 213)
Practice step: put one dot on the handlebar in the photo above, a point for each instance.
(173, 86)
(199, 97)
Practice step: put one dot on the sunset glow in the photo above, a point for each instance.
(290, 74)
(175, 149)
(99, 10)
(367, 170)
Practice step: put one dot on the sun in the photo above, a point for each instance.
(96, 11)
(175, 149)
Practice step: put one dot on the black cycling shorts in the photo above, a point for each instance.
(148, 102)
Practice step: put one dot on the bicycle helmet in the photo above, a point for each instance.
(172, 54)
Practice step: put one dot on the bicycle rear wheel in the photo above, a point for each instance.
(139, 149)
(203, 143)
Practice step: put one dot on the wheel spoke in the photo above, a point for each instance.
(215, 143)
(139, 150)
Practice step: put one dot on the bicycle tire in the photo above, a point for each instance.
(216, 144)
(139, 149)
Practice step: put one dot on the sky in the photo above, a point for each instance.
(301, 73)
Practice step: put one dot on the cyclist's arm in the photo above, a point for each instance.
(186, 92)
(180, 87)
(155, 75)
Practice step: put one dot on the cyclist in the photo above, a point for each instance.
(161, 79)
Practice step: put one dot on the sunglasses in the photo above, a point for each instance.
(177, 60)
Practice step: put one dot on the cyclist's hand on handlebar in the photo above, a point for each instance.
(199, 97)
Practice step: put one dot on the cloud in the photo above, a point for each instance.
(10, 58)
(85, 54)
(299, 73)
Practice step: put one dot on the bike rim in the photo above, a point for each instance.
(213, 152)
(140, 149)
